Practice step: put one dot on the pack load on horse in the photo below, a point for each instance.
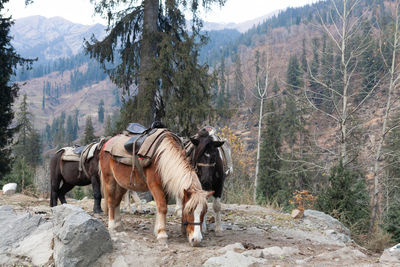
(71, 166)
(211, 157)
(153, 160)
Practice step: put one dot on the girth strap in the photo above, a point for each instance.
(191, 223)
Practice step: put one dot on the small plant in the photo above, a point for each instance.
(303, 199)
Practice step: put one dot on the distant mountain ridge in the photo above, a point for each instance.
(51, 38)
(240, 27)
(54, 38)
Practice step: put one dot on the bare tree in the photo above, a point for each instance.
(343, 31)
(394, 77)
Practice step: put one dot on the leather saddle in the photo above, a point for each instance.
(134, 144)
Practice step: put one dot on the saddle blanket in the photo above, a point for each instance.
(115, 146)
(70, 155)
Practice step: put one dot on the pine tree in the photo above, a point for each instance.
(8, 92)
(304, 64)
(70, 131)
(89, 132)
(346, 198)
(293, 74)
(24, 120)
(100, 111)
(108, 129)
(269, 182)
(142, 34)
(238, 79)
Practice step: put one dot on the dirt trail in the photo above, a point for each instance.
(253, 226)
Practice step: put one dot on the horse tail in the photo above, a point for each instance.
(53, 165)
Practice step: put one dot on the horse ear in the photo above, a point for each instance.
(218, 143)
(209, 194)
(194, 141)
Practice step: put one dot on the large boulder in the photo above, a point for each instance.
(37, 246)
(324, 221)
(391, 255)
(25, 239)
(14, 228)
(9, 189)
(79, 239)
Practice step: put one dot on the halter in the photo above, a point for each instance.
(205, 164)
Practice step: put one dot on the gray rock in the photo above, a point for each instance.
(323, 221)
(37, 246)
(391, 255)
(14, 228)
(345, 254)
(237, 247)
(233, 259)
(279, 252)
(337, 236)
(79, 239)
(256, 253)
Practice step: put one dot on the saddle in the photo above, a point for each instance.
(136, 146)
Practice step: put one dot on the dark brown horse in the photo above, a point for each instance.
(211, 158)
(69, 174)
(169, 174)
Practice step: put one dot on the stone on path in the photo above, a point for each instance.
(391, 255)
(233, 259)
(79, 239)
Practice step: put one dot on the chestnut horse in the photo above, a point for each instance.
(69, 174)
(169, 174)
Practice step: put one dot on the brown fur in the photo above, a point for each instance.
(169, 174)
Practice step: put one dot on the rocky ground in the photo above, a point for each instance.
(253, 236)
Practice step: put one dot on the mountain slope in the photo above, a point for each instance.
(51, 38)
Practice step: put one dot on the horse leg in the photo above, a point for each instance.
(114, 196)
(217, 210)
(55, 186)
(138, 202)
(65, 188)
(161, 217)
(127, 202)
(96, 194)
(178, 207)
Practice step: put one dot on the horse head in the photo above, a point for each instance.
(194, 207)
(206, 157)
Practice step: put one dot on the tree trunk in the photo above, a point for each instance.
(258, 150)
(375, 211)
(343, 125)
(147, 86)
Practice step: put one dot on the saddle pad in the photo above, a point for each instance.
(69, 154)
(115, 146)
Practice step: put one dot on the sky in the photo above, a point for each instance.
(81, 11)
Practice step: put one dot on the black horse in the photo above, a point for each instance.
(205, 153)
(69, 173)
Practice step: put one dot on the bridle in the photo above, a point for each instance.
(205, 164)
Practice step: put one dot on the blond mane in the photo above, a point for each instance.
(177, 174)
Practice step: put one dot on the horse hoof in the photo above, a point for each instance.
(98, 211)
